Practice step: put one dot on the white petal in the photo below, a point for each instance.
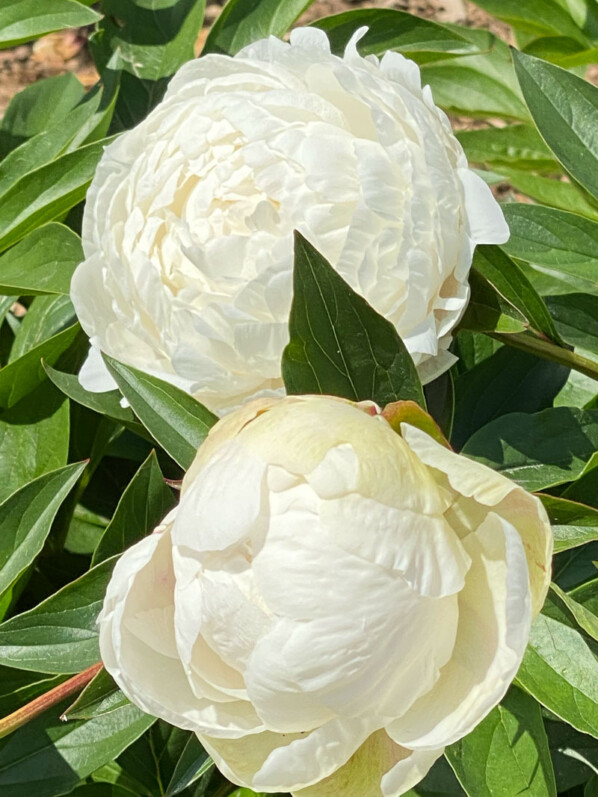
(494, 625)
(487, 223)
(407, 773)
(94, 375)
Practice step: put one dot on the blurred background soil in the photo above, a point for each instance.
(66, 51)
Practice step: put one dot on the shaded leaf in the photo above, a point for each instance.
(26, 518)
(540, 450)
(142, 506)
(339, 345)
(573, 524)
(100, 696)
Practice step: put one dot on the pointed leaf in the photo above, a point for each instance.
(339, 344)
(23, 20)
(175, 419)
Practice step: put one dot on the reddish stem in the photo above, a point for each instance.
(42, 703)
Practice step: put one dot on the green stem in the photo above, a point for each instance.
(549, 351)
(51, 698)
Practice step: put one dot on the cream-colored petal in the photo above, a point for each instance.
(493, 631)
(379, 768)
(490, 489)
(287, 762)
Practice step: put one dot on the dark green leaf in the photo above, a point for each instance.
(574, 755)
(571, 569)
(37, 108)
(143, 505)
(508, 279)
(508, 381)
(565, 110)
(488, 310)
(537, 451)
(140, 44)
(576, 319)
(25, 374)
(34, 438)
(23, 20)
(565, 243)
(507, 753)
(515, 146)
(43, 262)
(244, 21)
(192, 764)
(176, 420)
(573, 524)
(339, 345)
(100, 696)
(49, 757)
(561, 672)
(26, 518)
(48, 192)
(18, 687)
(422, 39)
(60, 634)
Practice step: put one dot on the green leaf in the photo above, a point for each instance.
(23, 20)
(34, 438)
(584, 618)
(49, 757)
(244, 21)
(107, 403)
(478, 85)
(22, 376)
(42, 263)
(60, 634)
(565, 243)
(140, 44)
(573, 524)
(46, 316)
(192, 764)
(26, 519)
(37, 108)
(488, 310)
(508, 279)
(339, 345)
(142, 506)
(548, 191)
(48, 192)
(576, 319)
(507, 753)
(540, 17)
(514, 146)
(562, 51)
(574, 755)
(175, 419)
(540, 450)
(18, 687)
(507, 381)
(561, 672)
(100, 696)
(565, 110)
(422, 39)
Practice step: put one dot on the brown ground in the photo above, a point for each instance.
(66, 51)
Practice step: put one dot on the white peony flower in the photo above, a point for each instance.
(329, 613)
(188, 225)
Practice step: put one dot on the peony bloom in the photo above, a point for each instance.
(188, 225)
(328, 613)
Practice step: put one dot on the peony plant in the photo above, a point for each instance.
(298, 404)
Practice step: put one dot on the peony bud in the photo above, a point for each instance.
(188, 227)
(331, 603)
